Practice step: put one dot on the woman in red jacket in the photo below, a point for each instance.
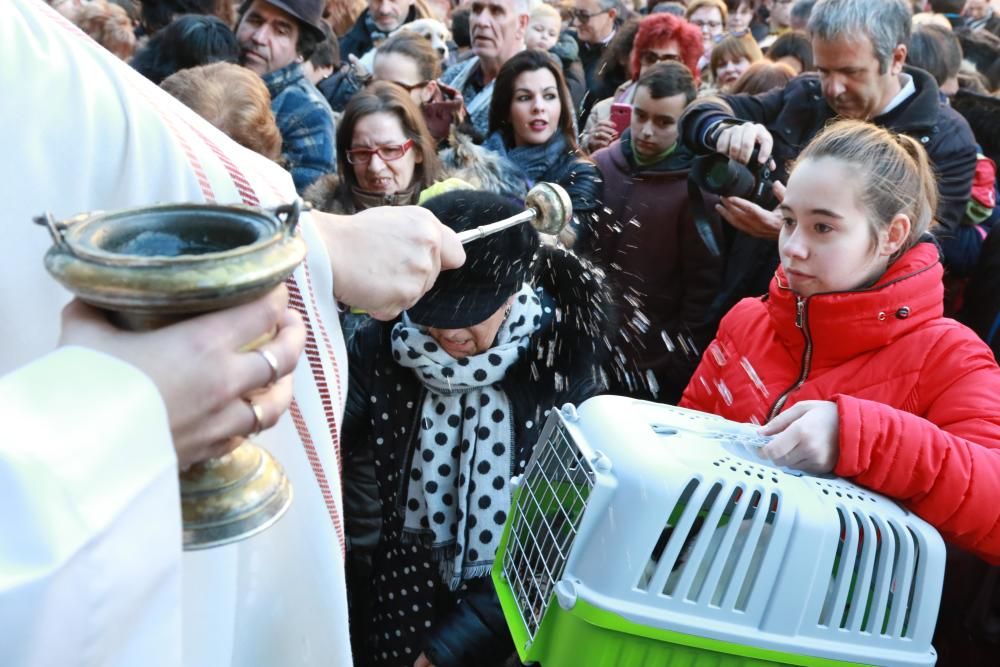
(848, 360)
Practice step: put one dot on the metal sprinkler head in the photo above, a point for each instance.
(548, 210)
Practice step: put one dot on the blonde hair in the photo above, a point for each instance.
(695, 5)
(893, 171)
(233, 99)
(543, 10)
(108, 25)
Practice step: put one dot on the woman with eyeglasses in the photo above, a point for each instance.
(385, 157)
(531, 125)
(710, 17)
(660, 38)
(385, 154)
(730, 58)
(408, 60)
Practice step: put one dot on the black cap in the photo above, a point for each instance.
(495, 267)
(308, 12)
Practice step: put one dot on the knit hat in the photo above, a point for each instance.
(495, 267)
(308, 12)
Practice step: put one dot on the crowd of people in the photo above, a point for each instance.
(805, 188)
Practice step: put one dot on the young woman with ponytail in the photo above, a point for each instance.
(848, 362)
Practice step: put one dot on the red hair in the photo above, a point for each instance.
(658, 29)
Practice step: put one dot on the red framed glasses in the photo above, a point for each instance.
(388, 152)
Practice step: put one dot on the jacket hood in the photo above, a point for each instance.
(905, 298)
(566, 48)
(322, 194)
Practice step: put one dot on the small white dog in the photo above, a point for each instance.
(432, 29)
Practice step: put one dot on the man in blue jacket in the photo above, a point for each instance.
(275, 37)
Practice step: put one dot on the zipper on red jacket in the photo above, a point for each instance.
(802, 322)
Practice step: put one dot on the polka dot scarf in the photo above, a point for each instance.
(458, 492)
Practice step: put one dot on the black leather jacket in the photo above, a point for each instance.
(796, 114)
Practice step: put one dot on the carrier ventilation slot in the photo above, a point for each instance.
(544, 524)
(872, 587)
(713, 545)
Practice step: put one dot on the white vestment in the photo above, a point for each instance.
(75, 516)
(81, 131)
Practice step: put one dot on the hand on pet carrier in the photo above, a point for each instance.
(806, 437)
(423, 661)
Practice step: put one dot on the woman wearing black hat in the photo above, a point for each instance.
(445, 404)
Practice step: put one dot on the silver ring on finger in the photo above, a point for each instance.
(258, 415)
(272, 363)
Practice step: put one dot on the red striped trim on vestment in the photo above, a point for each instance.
(297, 302)
(316, 365)
(317, 466)
(328, 406)
(249, 196)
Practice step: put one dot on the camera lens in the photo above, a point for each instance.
(722, 176)
(717, 176)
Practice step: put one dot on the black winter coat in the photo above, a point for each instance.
(568, 52)
(657, 259)
(794, 115)
(359, 39)
(399, 605)
(602, 81)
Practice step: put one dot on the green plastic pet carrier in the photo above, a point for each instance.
(643, 534)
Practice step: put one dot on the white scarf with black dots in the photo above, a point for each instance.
(458, 493)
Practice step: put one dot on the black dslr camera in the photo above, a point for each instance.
(726, 177)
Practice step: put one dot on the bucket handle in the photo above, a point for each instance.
(291, 212)
(56, 228)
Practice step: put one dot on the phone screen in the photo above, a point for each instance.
(621, 117)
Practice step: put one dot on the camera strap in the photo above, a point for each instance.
(696, 202)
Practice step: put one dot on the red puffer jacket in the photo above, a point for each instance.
(918, 394)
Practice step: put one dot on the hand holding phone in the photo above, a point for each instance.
(621, 117)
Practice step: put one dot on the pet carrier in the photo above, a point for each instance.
(644, 534)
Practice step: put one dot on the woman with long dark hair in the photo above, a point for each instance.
(531, 124)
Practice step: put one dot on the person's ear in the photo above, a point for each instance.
(613, 13)
(898, 59)
(896, 235)
(429, 92)
(522, 24)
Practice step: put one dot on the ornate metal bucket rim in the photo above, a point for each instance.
(73, 235)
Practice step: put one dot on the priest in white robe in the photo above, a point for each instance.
(80, 131)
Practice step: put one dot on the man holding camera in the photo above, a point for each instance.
(859, 48)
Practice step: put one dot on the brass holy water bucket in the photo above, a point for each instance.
(155, 265)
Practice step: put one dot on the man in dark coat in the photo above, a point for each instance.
(596, 23)
(979, 15)
(374, 24)
(653, 250)
(859, 49)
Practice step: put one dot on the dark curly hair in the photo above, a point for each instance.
(188, 41)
